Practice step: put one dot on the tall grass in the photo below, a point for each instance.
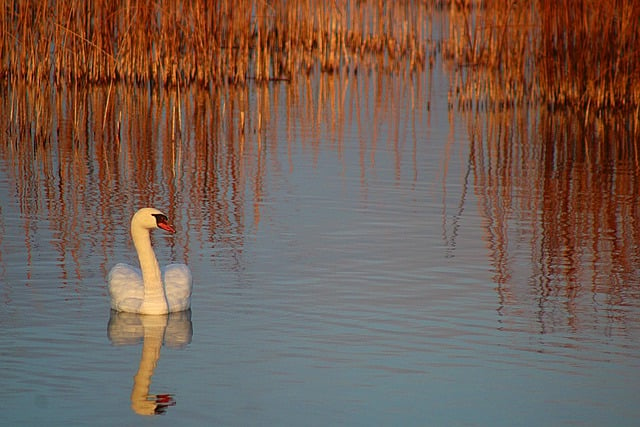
(558, 52)
(172, 42)
(590, 52)
(500, 52)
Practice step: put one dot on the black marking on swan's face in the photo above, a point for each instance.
(163, 222)
(161, 219)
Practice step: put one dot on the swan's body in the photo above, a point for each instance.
(148, 289)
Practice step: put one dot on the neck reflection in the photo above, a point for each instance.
(173, 330)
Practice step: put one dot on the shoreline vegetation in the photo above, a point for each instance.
(171, 42)
(563, 53)
(581, 54)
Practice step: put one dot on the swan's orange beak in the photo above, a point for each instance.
(167, 227)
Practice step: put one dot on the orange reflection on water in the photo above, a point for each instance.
(556, 193)
(559, 194)
(86, 158)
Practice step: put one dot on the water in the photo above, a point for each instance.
(358, 259)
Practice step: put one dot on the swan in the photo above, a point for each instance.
(149, 290)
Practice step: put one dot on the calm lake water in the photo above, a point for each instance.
(361, 255)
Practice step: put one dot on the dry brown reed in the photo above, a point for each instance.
(561, 53)
(172, 42)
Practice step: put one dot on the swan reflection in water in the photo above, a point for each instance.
(173, 330)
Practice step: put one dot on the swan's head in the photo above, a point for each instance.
(150, 218)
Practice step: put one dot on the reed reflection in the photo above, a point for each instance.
(208, 157)
(558, 193)
(173, 330)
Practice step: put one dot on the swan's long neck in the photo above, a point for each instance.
(154, 295)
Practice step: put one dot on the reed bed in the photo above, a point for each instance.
(500, 52)
(171, 42)
(560, 53)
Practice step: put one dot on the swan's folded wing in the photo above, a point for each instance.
(125, 287)
(177, 282)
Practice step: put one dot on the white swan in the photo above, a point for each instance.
(149, 290)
